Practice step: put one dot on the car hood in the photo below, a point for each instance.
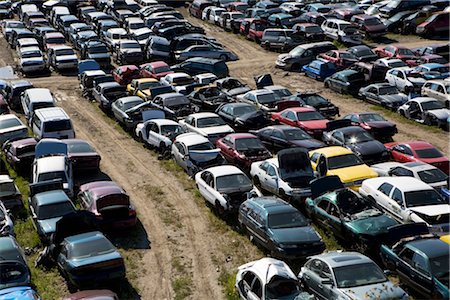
(441, 114)
(395, 98)
(380, 124)
(66, 57)
(370, 222)
(432, 210)
(417, 81)
(238, 91)
(315, 124)
(216, 129)
(378, 27)
(295, 235)
(385, 290)
(49, 225)
(308, 144)
(370, 147)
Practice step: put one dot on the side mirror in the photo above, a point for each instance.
(387, 272)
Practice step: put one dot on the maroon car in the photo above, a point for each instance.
(20, 153)
(110, 204)
(83, 155)
(124, 74)
(156, 69)
(242, 149)
(93, 295)
(371, 25)
(399, 52)
(375, 124)
(341, 58)
(346, 13)
(310, 31)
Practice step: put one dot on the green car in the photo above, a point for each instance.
(346, 214)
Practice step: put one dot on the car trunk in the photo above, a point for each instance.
(295, 167)
(113, 207)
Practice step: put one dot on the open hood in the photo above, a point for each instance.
(294, 163)
(263, 81)
(332, 125)
(152, 114)
(48, 147)
(88, 65)
(401, 231)
(325, 184)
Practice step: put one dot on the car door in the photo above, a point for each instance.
(289, 118)
(279, 140)
(421, 274)
(271, 179)
(153, 136)
(321, 214)
(372, 95)
(337, 138)
(255, 228)
(396, 205)
(228, 150)
(62, 258)
(382, 195)
(402, 153)
(205, 185)
(117, 110)
(179, 154)
(317, 273)
(333, 221)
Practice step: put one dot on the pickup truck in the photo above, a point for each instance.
(106, 93)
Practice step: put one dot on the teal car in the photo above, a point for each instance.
(346, 214)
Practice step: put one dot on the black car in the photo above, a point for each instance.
(321, 104)
(279, 137)
(197, 65)
(14, 90)
(208, 98)
(175, 105)
(358, 140)
(243, 116)
(279, 227)
(363, 53)
(13, 267)
(375, 124)
(383, 94)
(394, 23)
(345, 82)
(97, 51)
(232, 86)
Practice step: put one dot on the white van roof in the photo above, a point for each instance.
(40, 95)
(51, 113)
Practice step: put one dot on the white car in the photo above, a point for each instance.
(206, 124)
(134, 23)
(291, 181)
(54, 167)
(178, 81)
(205, 12)
(11, 127)
(224, 187)
(263, 99)
(205, 78)
(255, 279)
(405, 79)
(341, 31)
(31, 59)
(214, 14)
(408, 200)
(438, 89)
(391, 63)
(114, 35)
(158, 133)
(420, 170)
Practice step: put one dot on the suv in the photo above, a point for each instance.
(128, 52)
(97, 51)
(62, 57)
(302, 55)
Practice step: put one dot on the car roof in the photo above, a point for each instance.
(224, 170)
(350, 129)
(340, 259)
(191, 138)
(143, 80)
(130, 99)
(243, 135)
(332, 151)
(423, 99)
(51, 113)
(431, 247)
(416, 145)
(85, 237)
(266, 268)
(51, 197)
(203, 115)
(403, 183)
(117, 31)
(272, 204)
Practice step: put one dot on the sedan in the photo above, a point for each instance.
(207, 51)
(157, 70)
(375, 124)
(279, 228)
(206, 124)
(383, 94)
(82, 155)
(19, 154)
(399, 52)
(242, 116)
(426, 110)
(341, 58)
(279, 137)
(121, 106)
(89, 259)
(13, 263)
(159, 133)
(347, 81)
(320, 103)
(11, 127)
(336, 275)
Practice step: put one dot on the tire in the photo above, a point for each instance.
(402, 113)
(256, 181)
(219, 209)
(162, 147)
(326, 85)
(428, 121)
(223, 57)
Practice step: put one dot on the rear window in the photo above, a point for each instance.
(59, 125)
(91, 248)
(355, 77)
(429, 153)
(8, 123)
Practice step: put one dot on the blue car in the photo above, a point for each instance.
(19, 293)
(13, 266)
(319, 69)
(89, 259)
(433, 71)
(420, 259)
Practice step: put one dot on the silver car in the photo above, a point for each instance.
(207, 51)
(347, 275)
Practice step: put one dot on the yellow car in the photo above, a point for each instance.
(141, 87)
(446, 238)
(341, 162)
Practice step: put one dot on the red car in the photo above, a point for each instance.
(124, 74)
(306, 118)
(52, 39)
(110, 204)
(155, 70)
(341, 58)
(237, 6)
(253, 29)
(371, 25)
(403, 53)
(196, 8)
(418, 151)
(436, 25)
(346, 13)
(242, 149)
(20, 153)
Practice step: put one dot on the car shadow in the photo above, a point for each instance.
(383, 40)
(135, 238)
(83, 177)
(125, 290)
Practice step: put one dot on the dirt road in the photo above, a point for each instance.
(255, 61)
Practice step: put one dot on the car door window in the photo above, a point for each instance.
(399, 171)
(315, 157)
(271, 171)
(385, 188)
(154, 128)
(291, 116)
(264, 166)
(420, 263)
(400, 75)
(333, 211)
(278, 135)
(338, 136)
(323, 204)
(407, 255)
(257, 287)
(397, 196)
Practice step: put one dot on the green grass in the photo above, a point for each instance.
(182, 287)
(227, 280)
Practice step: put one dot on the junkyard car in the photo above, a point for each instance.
(347, 275)
(108, 92)
(405, 79)
(20, 153)
(242, 116)
(426, 110)
(82, 155)
(10, 196)
(13, 263)
(375, 124)
(383, 94)
(209, 125)
(232, 86)
(279, 228)
(121, 107)
(208, 98)
(176, 105)
(11, 127)
(320, 103)
(159, 133)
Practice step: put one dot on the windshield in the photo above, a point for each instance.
(432, 176)
(161, 69)
(428, 153)
(286, 220)
(372, 21)
(260, 27)
(237, 16)
(309, 116)
(343, 161)
(31, 54)
(282, 288)
(430, 105)
(233, 181)
(64, 52)
(314, 100)
(149, 85)
(131, 104)
(296, 134)
(281, 93)
(131, 46)
(176, 101)
(169, 129)
(266, 98)
(397, 64)
(405, 51)
(358, 137)
(137, 25)
(12, 273)
(391, 90)
(52, 175)
(298, 51)
(440, 267)
(61, 125)
(358, 275)
(91, 248)
(242, 110)
(143, 36)
(55, 210)
(183, 80)
(8, 123)
(248, 143)
(98, 49)
(56, 41)
(313, 29)
(201, 147)
(7, 188)
(423, 198)
(350, 203)
(371, 117)
(18, 25)
(210, 122)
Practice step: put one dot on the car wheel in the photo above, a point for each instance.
(162, 147)
(326, 85)
(283, 195)
(295, 67)
(219, 209)
(428, 121)
(402, 113)
(257, 182)
(223, 57)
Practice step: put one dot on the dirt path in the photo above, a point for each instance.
(255, 61)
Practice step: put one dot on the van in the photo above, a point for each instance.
(52, 122)
(157, 48)
(36, 98)
(302, 55)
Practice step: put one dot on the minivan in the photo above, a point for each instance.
(52, 122)
(36, 98)
(302, 55)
